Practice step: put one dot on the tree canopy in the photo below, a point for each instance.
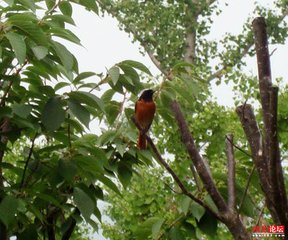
(53, 170)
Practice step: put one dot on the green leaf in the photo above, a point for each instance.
(50, 3)
(53, 114)
(65, 34)
(18, 44)
(114, 73)
(124, 174)
(67, 169)
(65, 56)
(89, 164)
(82, 76)
(112, 110)
(136, 65)
(90, 5)
(157, 227)
(49, 198)
(40, 52)
(60, 85)
(197, 210)
(21, 110)
(8, 209)
(59, 18)
(83, 201)
(208, 224)
(87, 98)
(106, 181)
(79, 112)
(66, 8)
(176, 234)
(28, 4)
(31, 28)
(143, 231)
(185, 204)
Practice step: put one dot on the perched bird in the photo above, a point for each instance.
(144, 114)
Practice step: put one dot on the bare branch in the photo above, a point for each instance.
(197, 160)
(231, 172)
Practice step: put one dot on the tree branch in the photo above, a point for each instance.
(246, 188)
(254, 138)
(231, 172)
(27, 161)
(275, 167)
(173, 174)
(197, 160)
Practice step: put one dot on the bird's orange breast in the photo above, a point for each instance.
(144, 113)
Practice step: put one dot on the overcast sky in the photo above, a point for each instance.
(106, 45)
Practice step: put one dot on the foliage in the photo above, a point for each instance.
(52, 170)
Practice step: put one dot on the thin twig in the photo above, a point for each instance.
(69, 132)
(27, 160)
(239, 148)
(246, 188)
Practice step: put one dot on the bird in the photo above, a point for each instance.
(145, 109)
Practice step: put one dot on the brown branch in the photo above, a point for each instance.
(269, 101)
(174, 175)
(275, 167)
(197, 160)
(231, 172)
(265, 82)
(229, 217)
(254, 138)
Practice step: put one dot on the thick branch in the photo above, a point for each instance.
(189, 55)
(276, 172)
(231, 171)
(265, 82)
(197, 160)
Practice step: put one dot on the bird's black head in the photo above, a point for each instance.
(147, 95)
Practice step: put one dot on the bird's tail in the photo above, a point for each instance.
(142, 143)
